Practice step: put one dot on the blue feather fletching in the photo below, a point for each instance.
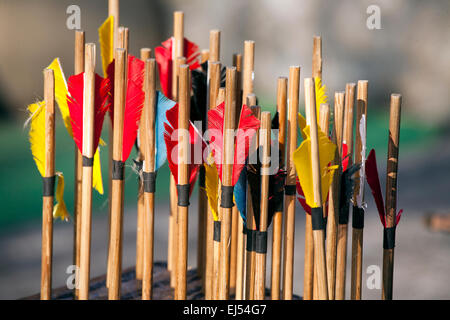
(162, 106)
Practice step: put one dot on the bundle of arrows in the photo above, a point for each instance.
(250, 164)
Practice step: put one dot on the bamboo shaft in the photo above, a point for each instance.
(79, 67)
(121, 40)
(177, 46)
(310, 274)
(227, 172)
(247, 88)
(148, 148)
(391, 192)
(260, 259)
(251, 222)
(237, 62)
(115, 252)
(214, 45)
(113, 10)
(357, 233)
(341, 261)
(317, 58)
(278, 216)
(318, 235)
(174, 203)
(47, 201)
(86, 188)
(214, 84)
(289, 210)
(145, 54)
(248, 67)
(213, 56)
(183, 179)
(177, 51)
(204, 56)
(216, 245)
(333, 202)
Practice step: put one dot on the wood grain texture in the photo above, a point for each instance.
(391, 191)
(79, 67)
(318, 235)
(277, 230)
(357, 234)
(227, 173)
(214, 84)
(145, 54)
(214, 45)
(260, 258)
(49, 171)
(148, 151)
(116, 230)
(289, 209)
(342, 237)
(183, 178)
(250, 219)
(86, 184)
(333, 197)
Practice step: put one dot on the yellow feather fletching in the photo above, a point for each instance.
(302, 125)
(60, 210)
(321, 96)
(106, 38)
(37, 141)
(61, 93)
(37, 134)
(97, 182)
(212, 186)
(303, 166)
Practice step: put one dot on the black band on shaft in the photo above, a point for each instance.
(261, 241)
(149, 181)
(358, 218)
(183, 195)
(226, 200)
(343, 213)
(290, 190)
(117, 169)
(251, 240)
(217, 231)
(317, 220)
(88, 162)
(201, 177)
(278, 205)
(48, 186)
(389, 238)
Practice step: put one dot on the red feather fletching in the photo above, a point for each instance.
(248, 125)
(197, 146)
(75, 103)
(301, 198)
(345, 157)
(163, 55)
(133, 104)
(373, 181)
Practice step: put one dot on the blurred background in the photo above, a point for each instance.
(407, 55)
